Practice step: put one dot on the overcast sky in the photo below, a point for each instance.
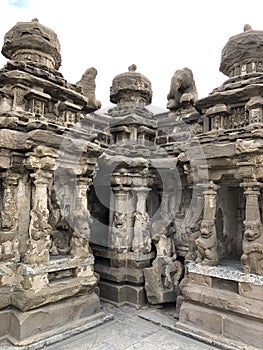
(159, 36)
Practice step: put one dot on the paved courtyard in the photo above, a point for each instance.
(132, 329)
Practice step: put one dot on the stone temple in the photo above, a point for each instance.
(130, 206)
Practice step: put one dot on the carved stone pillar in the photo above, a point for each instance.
(9, 218)
(195, 220)
(206, 243)
(80, 221)
(42, 162)
(164, 207)
(252, 257)
(141, 242)
(120, 239)
(39, 241)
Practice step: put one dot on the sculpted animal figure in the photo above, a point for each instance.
(252, 257)
(119, 237)
(88, 86)
(206, 244)
(183, 91)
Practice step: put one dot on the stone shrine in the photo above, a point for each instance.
(129, 206)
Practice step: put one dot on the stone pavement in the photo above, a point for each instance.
(132, 329)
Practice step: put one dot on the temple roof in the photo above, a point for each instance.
(131, 86)
(31, 41)
(243, 53)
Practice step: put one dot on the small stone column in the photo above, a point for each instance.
(164, 207)
(252, 256)
(80, 221)
(42, 162)
(9, 218)
(120, 239)
(195, 220)
(39, 240)
(206, 243)
(141, 242)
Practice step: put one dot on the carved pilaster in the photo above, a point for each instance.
(164, 208)
(9, 218)
(120, 239)
(80, 221)
(39, 241)
(252, 257)
(141, 242)
(195, 221)
(42, 162)
(206, 243)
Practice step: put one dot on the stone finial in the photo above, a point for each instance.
(31, 41)
(243, 53)
(132, 68)
(247, 27)
(131, 87)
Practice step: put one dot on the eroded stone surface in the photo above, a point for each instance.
(145, 193)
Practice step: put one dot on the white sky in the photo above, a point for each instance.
(159, 36)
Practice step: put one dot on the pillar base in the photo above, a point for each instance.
(53, 322)
(223, 304)
(121, 276)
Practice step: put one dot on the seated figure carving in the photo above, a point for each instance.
(252, 257)
(119, 237)
(206, 244)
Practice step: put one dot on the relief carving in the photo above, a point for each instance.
(39, 237)
(141, 241)
(206, 244)
(119, 237)
(80, 219)
(252, 257)
(60, 235)
(162, 279)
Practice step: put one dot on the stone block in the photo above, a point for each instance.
(5, 296)
(4, 322)
(162, 296)
(29, 299)
(121, 274)
(223, 300)
(250, 291)
(226, 285)
(121, 294)
(35, 325)
(200, 279)
(244, 330)
(201, 317)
